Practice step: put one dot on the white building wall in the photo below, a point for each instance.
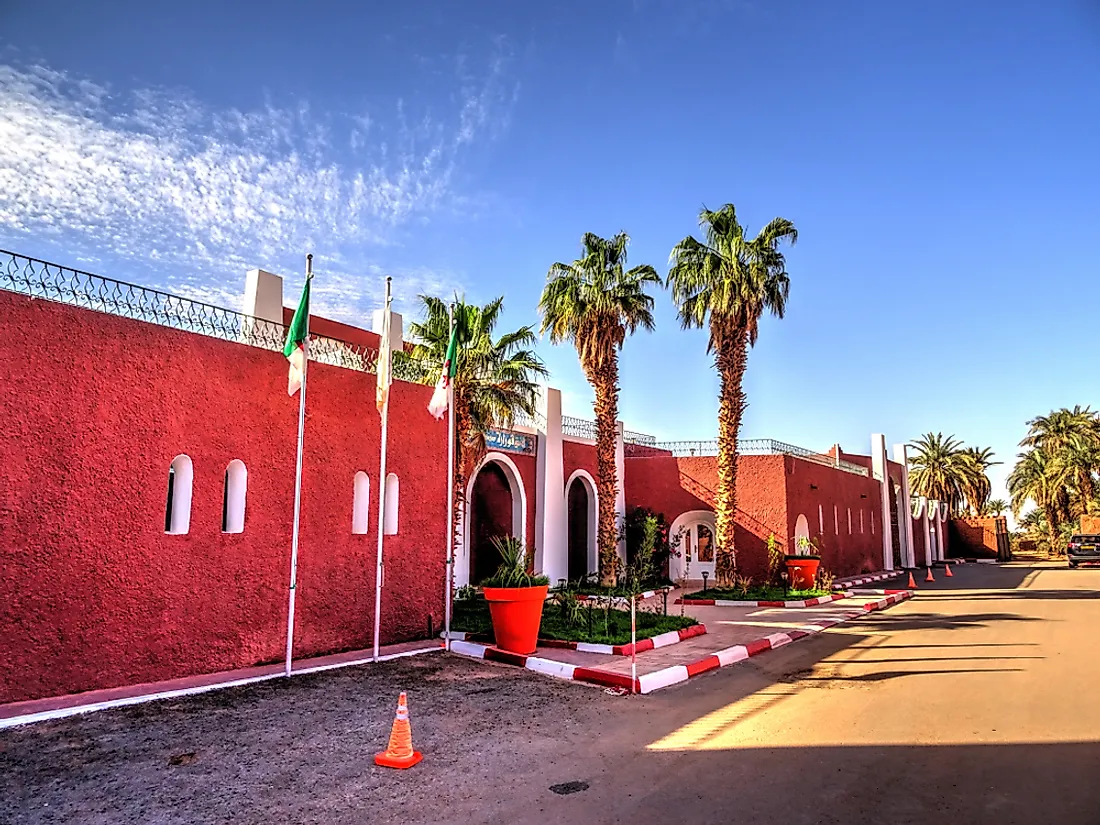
(880, 469)
(908, 554)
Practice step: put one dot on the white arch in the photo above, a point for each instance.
(393, 498)
(236, 487)
(360, 504)
(685, 520)
(177, 519)
(593, 519)
(801, 528)
(519, 512)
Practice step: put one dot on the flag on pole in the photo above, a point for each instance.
(295, 349)
(438, 405)
(385, 360)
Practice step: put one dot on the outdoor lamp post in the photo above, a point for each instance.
(786, 581)
(705, 574)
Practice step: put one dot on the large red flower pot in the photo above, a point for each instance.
(516, 613)
(802, 571)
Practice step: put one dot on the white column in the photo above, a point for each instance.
(620, 486)
(905, 530)
(263, 295)
(927, 531)
(879, 469)
(551, 549)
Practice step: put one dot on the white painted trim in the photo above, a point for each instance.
(236, 496)
(593, 519)
(519, 511)
(183, 483)
(360, 503)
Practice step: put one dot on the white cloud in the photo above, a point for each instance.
(158, 179)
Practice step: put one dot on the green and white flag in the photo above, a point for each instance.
(295, 349)
(438, 405)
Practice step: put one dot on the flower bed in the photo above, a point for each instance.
(594, 625)
(755, 594)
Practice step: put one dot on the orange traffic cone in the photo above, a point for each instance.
(929, 578)
(399, 753)
(912, 584)
(947, 571)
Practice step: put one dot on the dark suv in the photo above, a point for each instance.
(1083, 548)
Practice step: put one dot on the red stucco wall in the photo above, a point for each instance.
(842, 553)
(577, 456)
(918, 542)
(94, 594)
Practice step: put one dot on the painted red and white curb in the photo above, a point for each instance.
(845, 584)
(652, 643)
(649, 682)
(734, 603)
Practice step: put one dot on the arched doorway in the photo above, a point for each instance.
(490, 517)
(581, 515)
(496, 505)
(696, 530)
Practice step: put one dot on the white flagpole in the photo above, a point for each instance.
(379, 570)
(298, 485)
(450, 492)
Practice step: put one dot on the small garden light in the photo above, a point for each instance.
(786, 580)
(705, 574)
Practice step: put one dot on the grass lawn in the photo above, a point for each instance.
(758, 594)
(472, 616)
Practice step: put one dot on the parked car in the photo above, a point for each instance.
(1083, 548)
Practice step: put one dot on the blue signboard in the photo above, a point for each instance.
(510, 442)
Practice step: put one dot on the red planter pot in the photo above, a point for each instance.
(802, 571)
(516, 613)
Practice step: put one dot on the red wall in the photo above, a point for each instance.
(94, 594)
(918, 542)
(842, 553)
(656, 483)
(577, 456)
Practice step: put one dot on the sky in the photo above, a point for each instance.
(938, 158)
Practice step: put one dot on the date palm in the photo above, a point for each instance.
(1070, 441)
(727, 282)
(495, 379)
(974, 484)
(595, 303)
(995, 507)
(1035, 479)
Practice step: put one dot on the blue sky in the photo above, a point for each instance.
(939, 160)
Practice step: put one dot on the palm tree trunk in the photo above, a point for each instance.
(605, 382)
(731, 358)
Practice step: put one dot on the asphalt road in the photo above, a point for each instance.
(974, 703)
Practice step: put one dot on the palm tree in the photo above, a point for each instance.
(1034, 479)
(938, 470)
(1070, 441)
(995, 507)
(495, 378)
(727, 282)
(974, 484)
(595, 302)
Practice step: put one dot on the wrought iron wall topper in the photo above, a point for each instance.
(510, 441)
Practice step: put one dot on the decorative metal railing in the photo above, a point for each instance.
(639, 438)
(578, 427)
(53, 282)
(752, 446)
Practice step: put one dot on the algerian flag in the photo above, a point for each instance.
(438, 405)
(385, 361)
(295, 349)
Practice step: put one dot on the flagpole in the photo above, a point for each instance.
(450, 494)
(379, 570)
(298, 485)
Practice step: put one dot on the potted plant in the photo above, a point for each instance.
(515, 598)
(803, 563)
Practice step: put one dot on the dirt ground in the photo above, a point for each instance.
(304, 748)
